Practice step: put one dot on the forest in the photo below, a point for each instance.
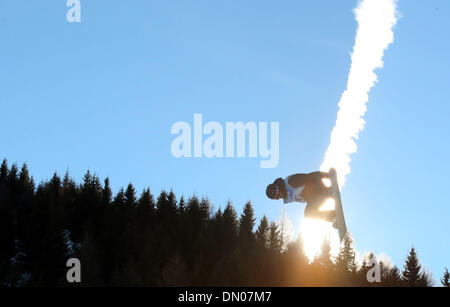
(132, 238)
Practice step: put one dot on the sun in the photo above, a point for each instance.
(314, 232)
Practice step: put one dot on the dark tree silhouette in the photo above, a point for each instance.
(346, 266)
(246, 225)
(275, 240)
(324, 258)
(262, 233)
(411, 274)
(393, 278)
(129, 239)
(445, 280)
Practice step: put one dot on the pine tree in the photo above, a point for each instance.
(194, 221)
(69, 189)
(130, 196)
(230, 220)
(274, 240)
(24, 202)
(146, 200)
(172, 203)
(46, 256)
(247, 245)
(25, 181)
(324, 259)
(262, 233)
(274, 261)
(106, 194)
(89, 206)
(205, 211)
(7, 246)
(299, 249)
(425, 280)
(216, 224)
(167, 225)
(394, 278)
(346, 261)
(145, 213)
(230, 228)
(167, 209)
(181, 206)
(246, 225)
(129, 212)
(4, 169)
(445, 281)
(411, 270)
(295, 263)
(119, 199)
(13, 175)
(69, 194)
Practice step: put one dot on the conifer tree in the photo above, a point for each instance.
(26, 182)
(274, 240)
(167, 209)
(4, 169)
(216, 225)
(411, 271)
(394, 278)
(146, 202)
(130, 196)
(445, 280)
(106, 193)
(7, 246)
(346, 261)
(230, 221)
(246, 225)
(193, 219)
(262, 233)
(47, 257)
(13, 177)
(425, 280)
(225, 243)
(69, 194)
(181, 206)
(205, 211)
(119, 199)
(172, 203)
(324, 258)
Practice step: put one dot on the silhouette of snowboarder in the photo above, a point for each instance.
(304, 188)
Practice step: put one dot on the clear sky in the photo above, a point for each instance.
(103, 95)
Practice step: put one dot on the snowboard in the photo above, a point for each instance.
(340, 219)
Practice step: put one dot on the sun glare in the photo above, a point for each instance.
(328, 205)
(314, 232)
(326, 182)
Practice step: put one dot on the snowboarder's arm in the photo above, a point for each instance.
(316, 176)
(298, 180)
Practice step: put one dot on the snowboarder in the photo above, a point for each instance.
(304, 188)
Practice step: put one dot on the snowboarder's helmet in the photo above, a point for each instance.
(271, 190)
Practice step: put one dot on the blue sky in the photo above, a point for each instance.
(104, 93)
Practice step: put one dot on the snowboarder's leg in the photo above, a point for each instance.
(312, 211)
(316, 190)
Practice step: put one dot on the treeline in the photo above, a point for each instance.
(135, 240)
